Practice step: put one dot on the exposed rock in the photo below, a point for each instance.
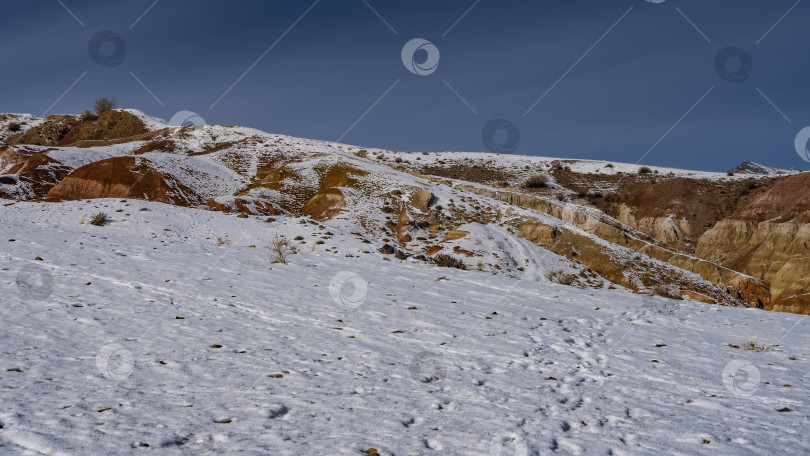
(325, 204)
(433, 249)
(421, 200)
(697, 297)
(29, 173)
(452, 235)
(123, 177)
(748, 167)
(387, 249)
(70, 130)
(402, 226)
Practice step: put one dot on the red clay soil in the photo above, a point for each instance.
(702, 202)
(36, 168)
(788, 200)
(123, 177)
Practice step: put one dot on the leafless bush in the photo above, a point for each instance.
(447, 261)
(280, 248)
(14, 127)
(99, 219)
(538, 181)
(104, 104)
(755, 346)
(561, 277)
(224, 240)
(645, 170)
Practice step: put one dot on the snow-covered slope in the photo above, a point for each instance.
(169, 330)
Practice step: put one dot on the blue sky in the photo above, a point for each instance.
(624, 80)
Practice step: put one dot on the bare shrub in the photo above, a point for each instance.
(224, 240)
(14, 127)
(99, 219)
(538, 181)
(280, 248)
(645, 170)
(561, 277)
(756, 346)
(447, 261)
(104, 104)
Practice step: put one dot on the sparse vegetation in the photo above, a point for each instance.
(280, 248)
(14, 127)
(754, 346)
(729, 173)
(88, 116)
(99, 219)
(538, 181)
(645, 170)
(447, 261)
(561, 277)
(224, 240)
(609, 165)
(104, 104)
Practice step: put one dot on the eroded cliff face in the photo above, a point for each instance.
(734, 285)
(769, 238)
(672, 230)
(777, 253)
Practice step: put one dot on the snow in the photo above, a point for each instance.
(516, 164)
(151, 123)
(76, 157)
(145, 331)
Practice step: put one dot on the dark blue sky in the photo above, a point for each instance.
(655, 65)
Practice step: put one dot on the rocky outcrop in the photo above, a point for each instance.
(123, 177)
(671, 230)
(71, 130)
(421, 200)
(769, 238)
(778, 253)
(740, 287)
(325, 204)
(29, 173)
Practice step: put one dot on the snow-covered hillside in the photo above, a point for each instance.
(169, 330)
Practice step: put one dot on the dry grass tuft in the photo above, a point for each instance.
(99, 219)
(561, 277)
(280, 249)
